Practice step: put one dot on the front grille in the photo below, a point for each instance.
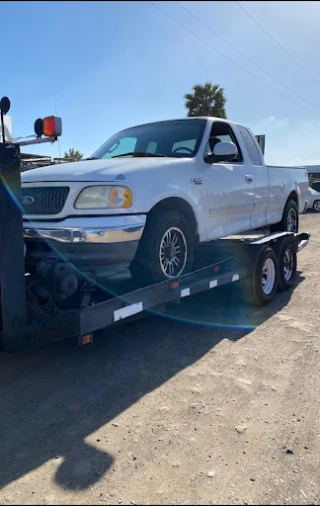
(44, 200)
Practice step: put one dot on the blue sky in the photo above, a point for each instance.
(110, 65)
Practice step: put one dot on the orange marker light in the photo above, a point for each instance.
(86, 339)
(52, 126)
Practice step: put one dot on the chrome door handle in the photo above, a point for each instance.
(249, 179)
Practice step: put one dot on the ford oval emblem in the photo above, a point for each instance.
(27, 200)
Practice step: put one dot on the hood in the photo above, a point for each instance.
(97, 170)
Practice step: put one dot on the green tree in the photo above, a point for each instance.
(73, 153)
(206, 100)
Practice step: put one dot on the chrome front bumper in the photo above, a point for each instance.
(106, 230)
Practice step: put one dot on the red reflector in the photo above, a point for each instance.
(86, 339)
(216, 268)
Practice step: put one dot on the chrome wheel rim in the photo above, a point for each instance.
(316, 206)
(292, 221)
(173, 252)
(268, 276)
(287, 264)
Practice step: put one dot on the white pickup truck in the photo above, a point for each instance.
(152, 192)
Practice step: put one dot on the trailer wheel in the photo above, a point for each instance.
(260, 285)
(287, 257)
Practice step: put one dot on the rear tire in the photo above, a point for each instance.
(260, 285)
(316, 206)
(165, 250)
(290, 219)
(287, 257)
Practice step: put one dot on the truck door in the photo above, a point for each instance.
(230, 195)
(260, 178)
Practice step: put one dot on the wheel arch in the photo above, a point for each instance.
(293, 196)
(182, 206)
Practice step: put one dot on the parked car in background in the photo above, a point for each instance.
(316, 185)
(313, 200)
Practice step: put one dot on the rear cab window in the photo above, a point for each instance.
(252, 147)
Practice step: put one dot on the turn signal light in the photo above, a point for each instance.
(51, 126)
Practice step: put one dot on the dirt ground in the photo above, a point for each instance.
(219, 404)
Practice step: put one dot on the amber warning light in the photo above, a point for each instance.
(51, 126)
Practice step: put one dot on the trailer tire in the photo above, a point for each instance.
(286, 252)
(290, 219)
(261, 283)
(149, 264)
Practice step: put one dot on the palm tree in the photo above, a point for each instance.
(206, 100)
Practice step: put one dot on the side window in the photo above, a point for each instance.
(250, 145)
(224, 138)
(224, 133)
(125, 145)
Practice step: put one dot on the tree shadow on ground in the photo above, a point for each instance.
(51, 399)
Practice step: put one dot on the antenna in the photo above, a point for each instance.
(55, 106)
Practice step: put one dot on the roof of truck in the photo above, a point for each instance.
(184, 119)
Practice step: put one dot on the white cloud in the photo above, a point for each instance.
(269, 124)
(287, 144)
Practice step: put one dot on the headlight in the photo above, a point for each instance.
(104, 197)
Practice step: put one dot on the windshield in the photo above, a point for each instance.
(178, 139)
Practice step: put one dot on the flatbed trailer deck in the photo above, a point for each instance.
(231, 257)
(223, 262)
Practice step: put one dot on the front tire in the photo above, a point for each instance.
(290, 219)
(165, 250)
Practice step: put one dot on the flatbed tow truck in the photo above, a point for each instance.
(32, 315)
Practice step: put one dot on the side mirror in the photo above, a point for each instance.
(222, 152)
